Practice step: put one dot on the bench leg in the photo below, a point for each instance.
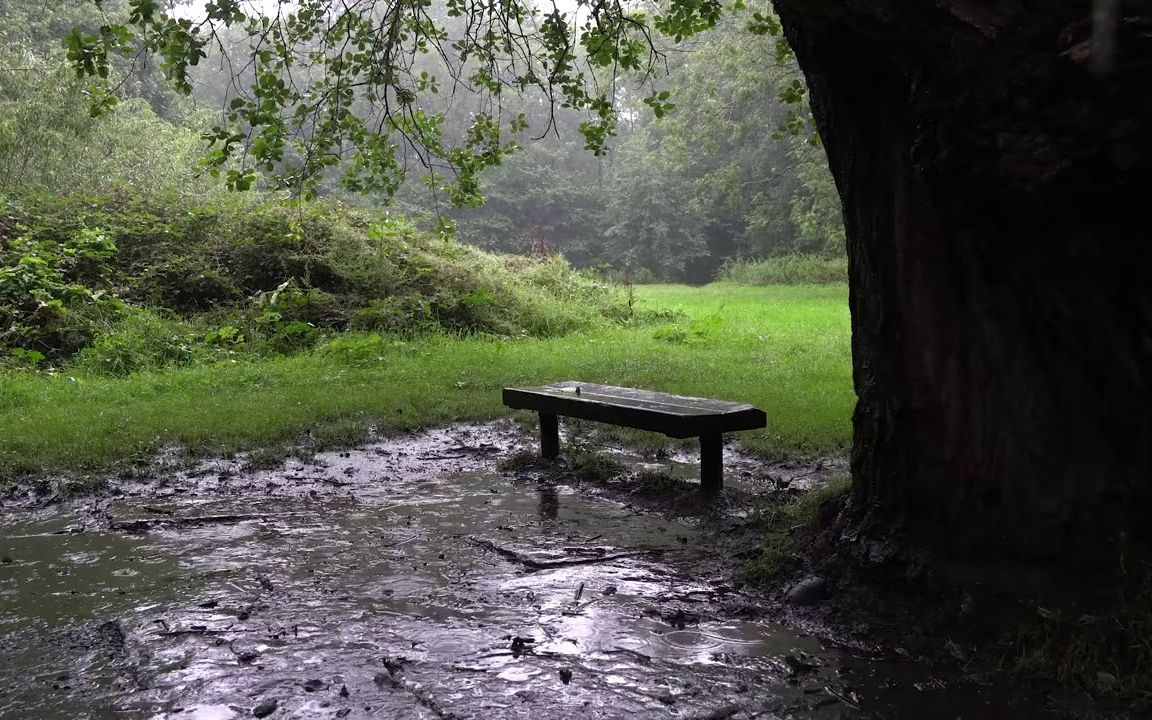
(549, 436)
(711, 464)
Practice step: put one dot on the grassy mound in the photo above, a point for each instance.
(118, 285)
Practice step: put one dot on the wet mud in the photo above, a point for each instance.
(414, 579)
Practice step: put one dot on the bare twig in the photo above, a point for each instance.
(534, 564)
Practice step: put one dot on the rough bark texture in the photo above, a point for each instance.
(998, 221)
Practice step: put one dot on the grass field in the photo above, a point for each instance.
(785, 349)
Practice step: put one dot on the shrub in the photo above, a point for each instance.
(785, 270)
(285, 275)
(671, 334)
(186, 284)
(141, 340)
(49, 302)
(401, 314)
(354, 350)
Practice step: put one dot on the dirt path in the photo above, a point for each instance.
(408, 579)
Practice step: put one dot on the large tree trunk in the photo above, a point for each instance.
(993, 183)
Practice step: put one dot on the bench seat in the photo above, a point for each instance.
(676, 416)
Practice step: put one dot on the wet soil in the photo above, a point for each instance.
(414, 579)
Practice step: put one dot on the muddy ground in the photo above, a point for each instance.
(413, 578)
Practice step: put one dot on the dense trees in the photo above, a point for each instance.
(675, 197)
(49, 140)
(719, 176)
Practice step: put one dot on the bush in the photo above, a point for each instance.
(785, 270)
(402, 315)
(186, 284)
(285, 275)
(142, 340)
(354, 350)
(51, 302)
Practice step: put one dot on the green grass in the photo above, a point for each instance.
(785, 349)
(787, 525)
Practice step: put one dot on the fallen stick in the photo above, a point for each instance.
(193, 631)
(144, 524)
(625, 651)
(534, 564)
(720, 713)
(402, 541)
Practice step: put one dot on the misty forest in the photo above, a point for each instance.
(693, 359)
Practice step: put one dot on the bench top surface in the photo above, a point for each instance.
(677, 415)
(631, 397)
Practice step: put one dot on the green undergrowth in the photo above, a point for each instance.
(798, 269)
(784, 349)
(661, 483)
(119, 285)
(587, 464)
(1106, 654)
(787, 525)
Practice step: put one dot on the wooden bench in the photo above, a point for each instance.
(673, 415)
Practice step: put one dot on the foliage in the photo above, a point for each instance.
(651, 223)
(142, 340)
(327, 79)
(54, 295)
(355, 349)
(261, 278)
(785, 270)
(593, 466)
(720, 163)
(698, 176)
(48, 139)
(1108, 654)
(549, 198)
(712, 179)
(786, 526)
(815, 209)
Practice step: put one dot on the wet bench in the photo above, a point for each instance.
(676, 416)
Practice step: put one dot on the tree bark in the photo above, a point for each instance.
(993, 186)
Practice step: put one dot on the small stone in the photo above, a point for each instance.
(1106, 679)
(264, 709)
(565, 675)
(314, 685)
(343, 691)
(808, 591)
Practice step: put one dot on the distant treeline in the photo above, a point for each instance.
(731, 171)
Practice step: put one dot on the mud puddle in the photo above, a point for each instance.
(409, 579)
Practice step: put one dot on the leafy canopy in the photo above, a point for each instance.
(364, 85)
